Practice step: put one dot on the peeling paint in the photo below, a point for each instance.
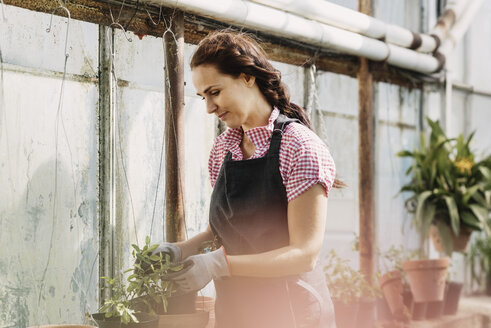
(14, 311)
(83, 211)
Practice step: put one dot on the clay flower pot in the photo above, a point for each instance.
(207, 304)
(459, 242)
(392, 288)
(345, 313)
(145, 320)
(427, 278)
(452, 297)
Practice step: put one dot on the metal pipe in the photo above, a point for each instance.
(282, 24)
(460, 27)
(175, 228)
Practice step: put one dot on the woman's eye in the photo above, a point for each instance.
(215, 93)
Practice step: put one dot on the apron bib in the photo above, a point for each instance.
(248, 215)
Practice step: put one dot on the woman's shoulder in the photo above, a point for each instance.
(299, 135)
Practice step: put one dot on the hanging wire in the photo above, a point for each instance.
(116, 112)
(58, 115)
(4, 17)
(150, 16)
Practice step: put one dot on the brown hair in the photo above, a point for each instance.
(233, 53)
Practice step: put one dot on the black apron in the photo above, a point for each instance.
(248, 215)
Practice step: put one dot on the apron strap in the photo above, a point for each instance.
(279, 126)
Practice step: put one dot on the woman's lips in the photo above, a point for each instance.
(222, 116)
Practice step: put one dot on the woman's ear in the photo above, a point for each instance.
(248, 79)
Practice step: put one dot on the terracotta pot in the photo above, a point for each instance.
(145, 321)
(176, 304)
(419, 311)
(392, 288)
(63, 326)
(427, 278)
(383, 311)
(434, 310)
(366, 313)
(199, 319)
(407, 298)
(452, 297)
(345, 313)
(459, 242)
(205, 303)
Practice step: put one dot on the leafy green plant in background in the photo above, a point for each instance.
(450, 189)
(147, 282)
(480, 257)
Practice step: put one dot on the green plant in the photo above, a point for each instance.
(345, 283)
(149, 278)
(449, 188)
(480, 256)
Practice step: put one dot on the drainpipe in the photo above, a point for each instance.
(282, 24)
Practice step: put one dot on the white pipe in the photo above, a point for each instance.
(351, 20)
(282, 24)
(461, 26)
(457, 7)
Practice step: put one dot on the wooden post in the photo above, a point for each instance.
(175, 229)
(365, 158)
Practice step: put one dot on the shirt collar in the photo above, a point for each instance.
(259, 135)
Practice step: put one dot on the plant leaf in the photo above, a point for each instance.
(419, 215)
(482, 214)
(454, 214)
(446, 237)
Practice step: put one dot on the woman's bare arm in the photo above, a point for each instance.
(306, 225)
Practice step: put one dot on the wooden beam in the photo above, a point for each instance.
(137, 19)
(365, 159)
(175, 227)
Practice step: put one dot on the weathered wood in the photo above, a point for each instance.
(365, 159)
(135, 18)
(175, 228)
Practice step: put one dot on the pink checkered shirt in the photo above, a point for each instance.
(304, 158)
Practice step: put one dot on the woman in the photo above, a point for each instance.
(271, 175)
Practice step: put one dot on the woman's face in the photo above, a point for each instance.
(230, 99)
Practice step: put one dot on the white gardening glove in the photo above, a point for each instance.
(172, 250)
(200, 269)
(169, 248)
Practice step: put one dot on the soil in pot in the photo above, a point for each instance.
(366, 313)
(452, 298)
(427, 278)
(419, 311)
(145, 320)
(345, 313)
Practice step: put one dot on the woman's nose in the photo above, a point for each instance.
(211, 107)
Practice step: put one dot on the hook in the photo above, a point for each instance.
(122, 28)
(67, 26)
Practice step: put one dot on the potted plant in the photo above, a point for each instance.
(449, 189)
(451, 300)
(353, 297)
(150, 294)
(480, 256)
(394, 283)
(117, 309)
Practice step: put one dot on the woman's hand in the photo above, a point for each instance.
(169, 248)
(200, 269)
